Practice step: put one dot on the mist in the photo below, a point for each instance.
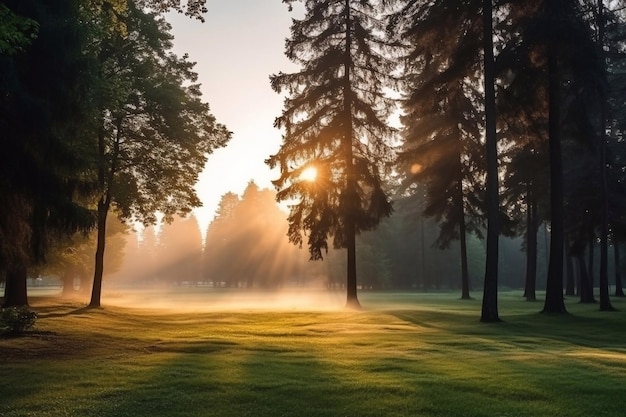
(211, 300)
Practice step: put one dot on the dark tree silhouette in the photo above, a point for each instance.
(490, 293)
(42, 119)
(443, 117)
(335, 119)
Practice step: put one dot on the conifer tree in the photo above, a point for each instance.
(335, 119)
(443, 116)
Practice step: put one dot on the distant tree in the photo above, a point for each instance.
(220, 235)
(335, 119)
(247, 245)
(179, 253)
(154, 131)
(70, 258)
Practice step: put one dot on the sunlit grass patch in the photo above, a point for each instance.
(403, 355)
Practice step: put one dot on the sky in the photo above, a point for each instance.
(237, 48)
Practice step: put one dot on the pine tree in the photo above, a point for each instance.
(443, 116)
(335, 120)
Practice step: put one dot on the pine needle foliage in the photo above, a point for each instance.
(335, 119)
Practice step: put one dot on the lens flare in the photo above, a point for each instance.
(309, 174)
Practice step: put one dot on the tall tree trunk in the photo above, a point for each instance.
(490, 293)
(15, 293)
(554, 302)
(605, 301)
(619, 290)
(570, 284)
(351, 187)
(105, 182)
(465, 282)
(96, 292)
(585, 290)
(460, 203)
(532, 228)
(592, 246)
(425, 281)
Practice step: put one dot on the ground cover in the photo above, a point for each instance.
(403, 355)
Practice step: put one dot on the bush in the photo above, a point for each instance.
(14, 320)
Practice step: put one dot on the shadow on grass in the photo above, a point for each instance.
(52, 312)
(589, 330)
(268, 381)
(273, 380)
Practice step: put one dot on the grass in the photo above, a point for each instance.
(404, 355)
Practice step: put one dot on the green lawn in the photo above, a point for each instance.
(403, 355)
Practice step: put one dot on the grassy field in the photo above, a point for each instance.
(403, 355)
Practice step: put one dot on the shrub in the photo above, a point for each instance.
(14, 320)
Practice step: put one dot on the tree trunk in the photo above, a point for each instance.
(554, 302)
(605, 301)
(15, 292)
(570, 284)
(592, 245)
(351, 194)
(425, 281)
(465, 282)
(532, 228)
(352, 300)
(96, 292)
(105, 181)
(619, 290)
(585, 290)
(460, 202)
(490, 293)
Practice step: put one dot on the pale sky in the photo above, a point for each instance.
(237, 48)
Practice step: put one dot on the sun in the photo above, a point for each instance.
(309, 174)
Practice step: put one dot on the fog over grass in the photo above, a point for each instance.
(210, 299)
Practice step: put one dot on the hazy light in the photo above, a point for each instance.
(211, 300)
(309, 174)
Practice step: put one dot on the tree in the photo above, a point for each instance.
(70, 258)
(335, 120)
(191, 8)
(154, 132)
(572, 61)
(490, 292)
(179, 252)
(219, 244)
(442, 117)
(605, 302)
(247, 245)
(42, 121)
